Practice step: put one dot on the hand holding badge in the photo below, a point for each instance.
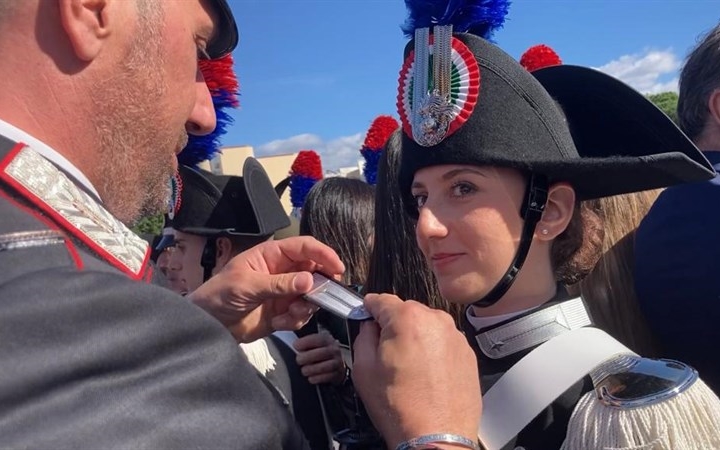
(337, 299)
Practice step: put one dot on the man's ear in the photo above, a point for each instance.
(223, 251)
(558, 212)
(86, 24)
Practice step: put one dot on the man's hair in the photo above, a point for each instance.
(699, 77)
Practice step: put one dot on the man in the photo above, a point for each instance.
(677, 245)
(219, 217)
(164, 247)
(91, 355)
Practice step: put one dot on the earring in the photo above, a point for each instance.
(544, 231)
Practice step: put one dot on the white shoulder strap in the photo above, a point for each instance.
(538, 379)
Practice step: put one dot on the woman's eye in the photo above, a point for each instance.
(420, 200)
(462, 189)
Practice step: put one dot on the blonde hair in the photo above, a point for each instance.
(608, 289)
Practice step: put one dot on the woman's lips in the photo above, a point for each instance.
(443, 259)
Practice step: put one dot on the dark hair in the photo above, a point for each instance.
(339, 212)
(699, 77)
(397, 266)
(576, 250)
(608, 290)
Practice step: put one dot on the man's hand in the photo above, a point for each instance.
(320, 359)
(415, 372)
(259, 291)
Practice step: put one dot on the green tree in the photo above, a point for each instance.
(149, 225)
(667, 102)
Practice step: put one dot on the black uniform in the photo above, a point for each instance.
(547, 430)
(91, 358)
(301, 396)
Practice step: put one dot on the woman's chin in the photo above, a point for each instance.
(460, 293)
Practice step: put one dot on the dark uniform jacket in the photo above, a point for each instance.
(547, 430)
(91, 356)
(301, 397)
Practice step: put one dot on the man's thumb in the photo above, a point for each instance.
(291, 284)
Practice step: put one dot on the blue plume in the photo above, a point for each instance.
(224, 99)
(203, 148)
(479, 17)
(299, 188)
(372, 158)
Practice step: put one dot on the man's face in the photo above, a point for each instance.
(186, 272)
(149, 102)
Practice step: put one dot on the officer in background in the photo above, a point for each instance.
(220, 216)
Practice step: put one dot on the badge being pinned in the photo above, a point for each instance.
(438, 87)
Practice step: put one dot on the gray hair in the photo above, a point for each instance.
(699, 78)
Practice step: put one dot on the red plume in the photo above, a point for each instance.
(221, 79)
(307, 164)
(379, 132)
(539, 56)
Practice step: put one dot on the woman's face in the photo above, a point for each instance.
(469, 226)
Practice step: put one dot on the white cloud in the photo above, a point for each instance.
(335, 153)
(649, 72)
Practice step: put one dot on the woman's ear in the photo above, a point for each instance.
(86, 24)
(223, 252)
(714, 107)
(558, 212)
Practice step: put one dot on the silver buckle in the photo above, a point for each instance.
(631, 381)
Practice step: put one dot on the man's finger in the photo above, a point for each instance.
(382, 307)
(291, 284)
(365, 350)
(322, 379)
(316, 355)
(312, 341)
(284, 322)
(330, 367)
(302, 248)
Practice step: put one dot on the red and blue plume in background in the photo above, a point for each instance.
(479, 17)
(375, 139)
(224, 87)
(538, 57)
(305, 171)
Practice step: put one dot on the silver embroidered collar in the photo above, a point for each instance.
(80, 213)
(533, 329)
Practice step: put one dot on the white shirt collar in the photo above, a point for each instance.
(18, 135)
(483, 322)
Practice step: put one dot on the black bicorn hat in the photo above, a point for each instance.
(282, 186)
(227, 36)
(481, 107)
(223, 205)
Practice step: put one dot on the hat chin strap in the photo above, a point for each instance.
(207, 261)
(531, 212)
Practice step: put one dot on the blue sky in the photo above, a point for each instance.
(314, 73)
